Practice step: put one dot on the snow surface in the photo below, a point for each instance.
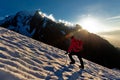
(22, 58)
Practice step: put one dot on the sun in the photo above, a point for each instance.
(90, 24)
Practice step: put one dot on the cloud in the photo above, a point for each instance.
(112, 37)
(65, 22)
(48, 16)
(112, 18)
(53, 19)
(114, 32)
(112, 23)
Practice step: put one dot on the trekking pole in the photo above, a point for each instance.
(66, 60)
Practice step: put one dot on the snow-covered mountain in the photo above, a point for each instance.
(22, 58)
(28, 23)
(36, 25)
(20, 22)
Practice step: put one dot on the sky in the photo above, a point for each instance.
(96, 16)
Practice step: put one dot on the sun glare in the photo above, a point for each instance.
(90, 24)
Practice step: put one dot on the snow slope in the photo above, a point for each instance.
(22, 58)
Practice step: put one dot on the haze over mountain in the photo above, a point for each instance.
(44, 28)
(23, 58)
(112, 37)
